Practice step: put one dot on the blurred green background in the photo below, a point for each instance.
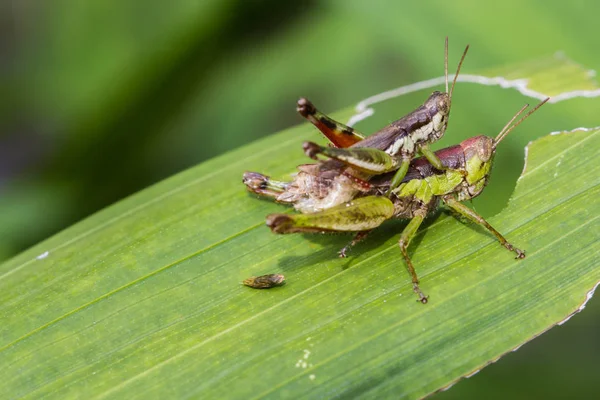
(103, 98)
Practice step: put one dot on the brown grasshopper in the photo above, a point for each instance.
(355, 159)
(467, 167)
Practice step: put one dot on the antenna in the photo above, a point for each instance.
(508, 128)
(446, 62)
(457, 71)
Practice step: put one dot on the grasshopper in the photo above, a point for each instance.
(466, 172)
(395, 144)
(354, 159)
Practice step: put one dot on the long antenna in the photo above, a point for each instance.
(446, 62)
(502, 133)
(457, 71)
(507, 128)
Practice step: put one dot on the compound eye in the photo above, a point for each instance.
(486, 150)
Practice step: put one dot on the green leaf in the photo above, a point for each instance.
(145, 296)
(552, 76)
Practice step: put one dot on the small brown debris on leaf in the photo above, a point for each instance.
(265, 281)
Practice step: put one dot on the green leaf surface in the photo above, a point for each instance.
(144, 298)
(551, 76)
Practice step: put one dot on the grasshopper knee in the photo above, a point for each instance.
(311, 149)
(255, 181)
(280, 223)
(403, 243)
(305, 107)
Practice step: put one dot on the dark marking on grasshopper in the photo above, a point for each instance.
(327, 123)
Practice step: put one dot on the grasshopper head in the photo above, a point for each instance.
(438, 102)
(479, 147)
(479, 153)
(438, 107)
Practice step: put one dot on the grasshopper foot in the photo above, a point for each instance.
(520, 254)
(305, 107)
(342, 252)
(422, 298)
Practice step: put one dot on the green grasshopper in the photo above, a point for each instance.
(355, 159)
(467, 167)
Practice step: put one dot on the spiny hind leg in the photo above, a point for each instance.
(478, 219)
(366, 159)
(408, 234)
(263, 185)
(362, 214)
(338, 134)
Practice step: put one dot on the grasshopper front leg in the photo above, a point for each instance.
(398, 176)
(478, 219)
(432, 158)
(407, 235)
(338, 134)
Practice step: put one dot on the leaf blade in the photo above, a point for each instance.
(177, 321)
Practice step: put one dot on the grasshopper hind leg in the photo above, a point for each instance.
(338, 134)
(263, 185)
(362, 214)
